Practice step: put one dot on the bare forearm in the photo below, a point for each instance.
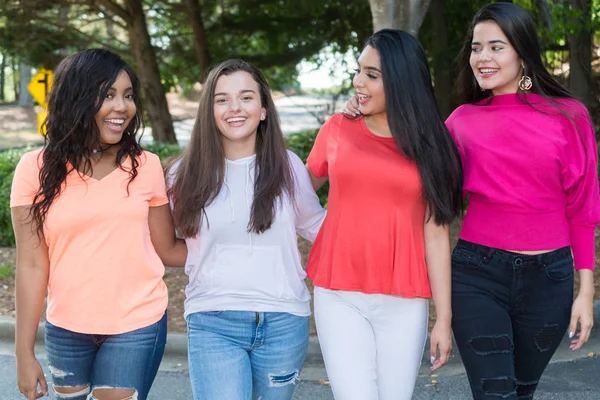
(437, 254)
(31, 285)
(586, 283)
(176, 255)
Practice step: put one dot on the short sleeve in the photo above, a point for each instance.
(309, 212)
(26, 181)
(159, 195)
(318, 159)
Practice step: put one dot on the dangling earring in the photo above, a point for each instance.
(525, 82)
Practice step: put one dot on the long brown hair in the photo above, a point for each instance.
(200, 174)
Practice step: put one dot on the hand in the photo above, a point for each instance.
(441, 343)
(352, 107)
(582, 312)
(29, 373)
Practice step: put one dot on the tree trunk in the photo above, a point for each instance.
(155, 100)
(2, 77)
(401, 14)
(580, 44)
(25, 99)
(15, 76)
(441, 59)
(202, 53)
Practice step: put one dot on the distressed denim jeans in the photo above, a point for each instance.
(510, 313)
(125, 361)
(242, 355)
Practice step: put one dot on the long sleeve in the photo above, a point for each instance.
(309, 213)
(580, 179)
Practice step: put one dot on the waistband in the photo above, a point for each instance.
(512, 257)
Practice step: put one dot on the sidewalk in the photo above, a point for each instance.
(175, 358)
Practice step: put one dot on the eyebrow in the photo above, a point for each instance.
(241, 91)
(490, 42)
(371, 68)
(126, 89)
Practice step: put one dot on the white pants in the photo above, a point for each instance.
(372, 344)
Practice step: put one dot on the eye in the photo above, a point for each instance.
(246, 98)
(129, 96)
(475, 49)
(372, 76)
(496, 48)
(220, 101)
(356, 70)
(108, 96)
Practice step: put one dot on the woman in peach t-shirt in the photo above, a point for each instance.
(93, 228)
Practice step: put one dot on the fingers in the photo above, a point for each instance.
(573, 324)
(43, 385)
(444, 350)
(583, 335)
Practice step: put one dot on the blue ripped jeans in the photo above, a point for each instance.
(125, 361)
(510, 313)
(243, 355)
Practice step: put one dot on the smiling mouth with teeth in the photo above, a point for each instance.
(115, 121)
(488, 70)
(237, 119)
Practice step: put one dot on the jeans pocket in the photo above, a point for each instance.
(462, 257)
(560, 270)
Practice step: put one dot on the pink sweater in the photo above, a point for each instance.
(531, 176)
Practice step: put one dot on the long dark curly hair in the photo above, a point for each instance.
(81, 83)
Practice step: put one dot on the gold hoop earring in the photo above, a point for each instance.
(525, 83)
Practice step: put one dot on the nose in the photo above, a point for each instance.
(120, 104)
(484, 54)
(235, 105)
(357, 81)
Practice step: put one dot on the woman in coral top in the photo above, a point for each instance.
(92, 223)
(383, 249)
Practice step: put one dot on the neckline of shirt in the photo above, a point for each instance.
(368, 132)
(510, 99)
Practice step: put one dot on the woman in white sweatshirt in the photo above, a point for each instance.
(239, 198)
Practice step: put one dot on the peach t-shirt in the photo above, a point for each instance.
(105, 276)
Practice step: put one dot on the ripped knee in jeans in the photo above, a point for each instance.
(276, 380)
(491, 344)
(502, 387)
(112, 393)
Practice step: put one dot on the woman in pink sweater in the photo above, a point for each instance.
(530, 173)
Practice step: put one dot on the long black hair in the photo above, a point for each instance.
(80, 85)
(415, 121)
(519, 28)
(200, 175)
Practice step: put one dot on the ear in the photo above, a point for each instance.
(263, 114)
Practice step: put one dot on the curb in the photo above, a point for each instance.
(177, 342)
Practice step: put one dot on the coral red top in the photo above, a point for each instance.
(372, 238)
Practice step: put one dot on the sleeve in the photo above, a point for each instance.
(451, 126)
(159, 192)
(26, 180)
(580, 180)
(317, 160)
(309, 213)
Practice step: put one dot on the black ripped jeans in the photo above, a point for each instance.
(510, 313)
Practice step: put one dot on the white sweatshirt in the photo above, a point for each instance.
(231, 269)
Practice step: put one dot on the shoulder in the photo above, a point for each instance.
(295, 161)
(32, 160)
(461, 112)
(149, 158)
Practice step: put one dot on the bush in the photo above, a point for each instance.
(301, 143)
(8, 163)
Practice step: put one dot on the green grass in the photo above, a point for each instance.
(7, 270)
